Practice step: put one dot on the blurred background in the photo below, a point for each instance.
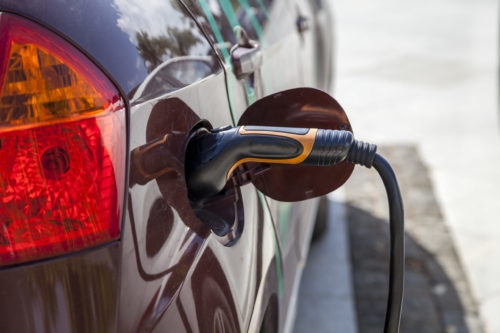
(420, 79)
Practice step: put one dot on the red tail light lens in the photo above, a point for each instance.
(62, 147)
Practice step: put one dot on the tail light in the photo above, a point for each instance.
(62, 147)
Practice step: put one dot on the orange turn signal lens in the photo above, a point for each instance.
(39, 88)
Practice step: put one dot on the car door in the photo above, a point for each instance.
(180, 271)
(286, 63)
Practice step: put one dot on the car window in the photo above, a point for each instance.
(177, 73)
(168, 42)
(190, 70)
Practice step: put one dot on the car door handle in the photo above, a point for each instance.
(303, 24)
(246, 55)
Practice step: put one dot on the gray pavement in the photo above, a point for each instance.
(326, 298)
(344, 286)
(424, 73)
(437, 294)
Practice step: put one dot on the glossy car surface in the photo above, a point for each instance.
(171, 62)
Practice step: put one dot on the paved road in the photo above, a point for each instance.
(344, 287)
(437, 294)
(425, 73)
(326, 297)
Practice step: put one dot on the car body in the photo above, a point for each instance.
(167, 271)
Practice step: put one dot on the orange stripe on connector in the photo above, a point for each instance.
(307, 141)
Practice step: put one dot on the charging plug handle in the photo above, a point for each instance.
(212, 157)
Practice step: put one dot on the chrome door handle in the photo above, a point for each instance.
(303, 24)
(246, 55)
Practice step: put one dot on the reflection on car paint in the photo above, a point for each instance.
(130, 40)
(173, 51)
(174, 74)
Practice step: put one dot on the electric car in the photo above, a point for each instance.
(98, 100)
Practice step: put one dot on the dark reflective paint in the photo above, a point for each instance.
(77, 293)
(129, 39)
(154, 264)
(156, 270)
(153, 280)
(158, 227)
(212, 289)
(174, 74)
(286, 64)
(207, 286)
(299, 108)
(269, 22)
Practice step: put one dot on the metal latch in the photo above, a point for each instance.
(246, 55)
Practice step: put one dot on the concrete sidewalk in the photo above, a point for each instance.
(425, 73)
(437, 294)
(326, 298)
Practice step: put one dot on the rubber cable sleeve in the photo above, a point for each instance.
(397, 247)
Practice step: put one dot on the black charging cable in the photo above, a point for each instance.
(397, 251)
(212, 156)
(365, 154)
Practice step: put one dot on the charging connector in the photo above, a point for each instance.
(212, 157)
